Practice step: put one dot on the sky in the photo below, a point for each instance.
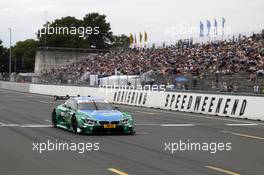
(163, 20)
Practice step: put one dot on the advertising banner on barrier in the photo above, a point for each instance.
(237, 106)
(213, 104)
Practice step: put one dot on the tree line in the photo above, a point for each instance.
(23, 52)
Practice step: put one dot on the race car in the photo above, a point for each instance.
(91, 115)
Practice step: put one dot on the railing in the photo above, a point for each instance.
(233, 83)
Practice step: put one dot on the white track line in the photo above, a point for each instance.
(141, 133)
(9, 125)
(24, 125)
(177, 125)
(144, 112)
(147, 124)
(46, 102)
(241, 124)
(35, 126)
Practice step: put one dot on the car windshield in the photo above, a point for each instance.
(87, 106)
(95, 106)
(103, 106)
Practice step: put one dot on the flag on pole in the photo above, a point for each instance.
(201, 29)
(131, 39)
(223, 25)
(145, 36)
(208, 27)
(223, 22)
(215, 26)
(140, 37)
(135, 39)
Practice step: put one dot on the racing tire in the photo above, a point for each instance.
(53, 119)
(74, 125)
(132, 133)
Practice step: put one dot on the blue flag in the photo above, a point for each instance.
(223, 25)
(201, 29)
(208, 27)
(215, 26)
(223, 22)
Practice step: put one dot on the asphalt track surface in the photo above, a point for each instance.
(25, 119)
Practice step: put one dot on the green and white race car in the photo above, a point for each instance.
(89, 115)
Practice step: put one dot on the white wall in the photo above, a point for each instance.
(21, 87)
(251, 107)
(222, 105)
(69, 90)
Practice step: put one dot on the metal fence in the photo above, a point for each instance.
(241, 83)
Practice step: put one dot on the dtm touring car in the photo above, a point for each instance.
(91, 115)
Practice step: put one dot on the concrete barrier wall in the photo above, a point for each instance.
(69, 90)
(21, 87)
(236, 106)
(250, 107)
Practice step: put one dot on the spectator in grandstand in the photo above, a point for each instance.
(219, 58)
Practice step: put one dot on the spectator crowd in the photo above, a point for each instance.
(243, 55)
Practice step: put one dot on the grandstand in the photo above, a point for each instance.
(228, 65)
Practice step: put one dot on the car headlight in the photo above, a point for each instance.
(90, 122)
(125, 121)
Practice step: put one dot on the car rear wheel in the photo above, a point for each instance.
(53, 119)
(74, 125)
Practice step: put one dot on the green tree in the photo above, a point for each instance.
(3, 58)
(1, 47)
(25, 51)
(64, 36)
(91, 32)
(104, 38)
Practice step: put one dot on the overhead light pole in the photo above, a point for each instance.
(10, 52)
(46, 22)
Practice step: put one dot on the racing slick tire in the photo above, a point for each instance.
(132, 133)
(75, 127)
(53, 119)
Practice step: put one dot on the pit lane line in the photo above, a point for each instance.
(187, 124)
(25, 125)
(137, 124)
(117, 171)
(140, 133)
(221, 170)
(243, 135)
